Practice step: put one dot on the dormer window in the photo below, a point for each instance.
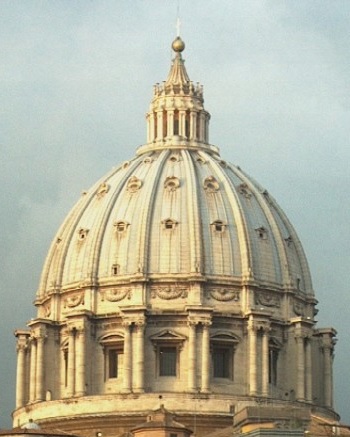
(169, 224)
(171, 183)
(218, 226)
(211, 185)
(134, 184)
(115, 269)
(82, 234)
(121, 226)
(262, 233)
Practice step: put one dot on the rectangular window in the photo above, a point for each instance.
(115, 363)
(65, 358)
(273, 357)
(222, 362)
(167, 361)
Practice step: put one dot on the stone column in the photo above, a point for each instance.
(182, 121)
(327, 354)
(39, 396)
(252, 359)
(193, 125)
(151, 136)
(32, 380)
(127, 358)
(160, 125)
(205, 358)
(170, 123)
(308, 370)
(201, 126)
(300, 368)
(206, 129)
(80, 363)
(192, 357)
(71, 363)
(265, 363)
(20, 375)
(138, 384)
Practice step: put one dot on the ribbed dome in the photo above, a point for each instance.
(175, 277)
(176, 212)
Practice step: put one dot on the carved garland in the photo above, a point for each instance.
(267, 299)
(298, 308)
(168, 293)
(116, 294)
(224, 294)
(74, 300)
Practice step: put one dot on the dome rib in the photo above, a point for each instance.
(145, 228)
(195, 225)
(306, 275)
(275, 234)
(242, 227)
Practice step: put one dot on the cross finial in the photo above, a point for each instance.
(178, 25)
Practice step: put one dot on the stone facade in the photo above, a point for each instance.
(175, 278)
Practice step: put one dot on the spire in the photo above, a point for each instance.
(176, 117)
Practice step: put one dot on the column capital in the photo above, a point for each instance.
(206, 323)
(23, 338)
(21, 347)
(192, 322)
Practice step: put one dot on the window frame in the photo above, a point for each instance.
(223, 341)
(113, 343)
(167, 339)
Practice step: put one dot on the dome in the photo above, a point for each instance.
(176, 214)
(175, 277)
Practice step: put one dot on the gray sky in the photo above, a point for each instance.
(76, 80)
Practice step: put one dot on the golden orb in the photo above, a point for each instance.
(178, 45)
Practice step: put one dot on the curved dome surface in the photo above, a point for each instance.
(177, 212)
